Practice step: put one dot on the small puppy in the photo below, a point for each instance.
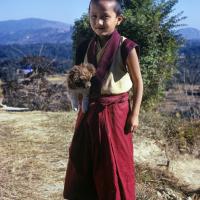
(79, 84)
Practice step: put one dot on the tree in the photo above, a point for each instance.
(151, 24)
(81, 31)
(39, 64)
(8, 70)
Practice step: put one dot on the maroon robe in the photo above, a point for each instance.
(100, 165)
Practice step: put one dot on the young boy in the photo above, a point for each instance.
(100, 163)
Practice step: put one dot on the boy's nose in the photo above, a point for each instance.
(100, 22)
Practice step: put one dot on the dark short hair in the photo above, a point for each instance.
(117, 8)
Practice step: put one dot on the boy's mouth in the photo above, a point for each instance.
(99, 28)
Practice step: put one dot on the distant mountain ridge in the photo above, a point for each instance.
(190, 33)
(32, 31)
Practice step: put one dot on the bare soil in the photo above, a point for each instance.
(34, 148)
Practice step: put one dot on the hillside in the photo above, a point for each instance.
(34, 37)
(32, 31)
(17, 51)
(190, 33)
(58, 57)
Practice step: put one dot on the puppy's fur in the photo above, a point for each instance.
(79, 84)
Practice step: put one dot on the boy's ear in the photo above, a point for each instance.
(120, 19)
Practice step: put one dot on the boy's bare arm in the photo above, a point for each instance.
(135, 74)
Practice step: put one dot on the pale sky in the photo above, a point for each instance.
(69, 10)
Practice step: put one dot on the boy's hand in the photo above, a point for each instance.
(132, 123)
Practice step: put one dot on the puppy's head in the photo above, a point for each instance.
(80, 76)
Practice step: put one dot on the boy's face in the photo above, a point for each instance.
(103, 18)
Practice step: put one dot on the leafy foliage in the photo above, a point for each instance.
(151, 24)
(81, 31)
(8, 70)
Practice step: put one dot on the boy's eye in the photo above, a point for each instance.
(106, 17)
(93, 16)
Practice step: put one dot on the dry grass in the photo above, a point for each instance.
(181, 135)
(56, 79)
(151, 181)
(182, 100)
(34, 148)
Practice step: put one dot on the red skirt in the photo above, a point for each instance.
(100, 165)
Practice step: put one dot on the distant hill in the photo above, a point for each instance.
(32, 31)
(190, 33)
(58, 56)
(61, 51)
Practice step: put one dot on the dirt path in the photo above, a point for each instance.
(33, 154)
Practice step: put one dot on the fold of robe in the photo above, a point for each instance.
(105, 62)
(100, 165)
